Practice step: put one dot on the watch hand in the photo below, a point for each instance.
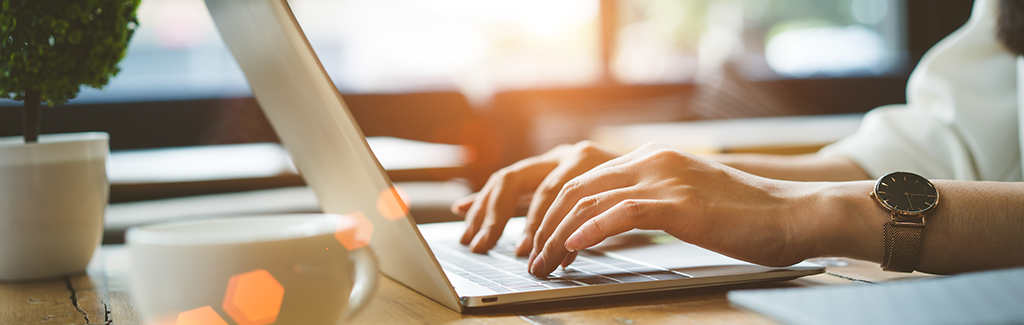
(909, 201)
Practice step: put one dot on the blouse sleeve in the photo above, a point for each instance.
(960, 121)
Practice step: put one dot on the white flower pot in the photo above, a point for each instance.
(52, 197)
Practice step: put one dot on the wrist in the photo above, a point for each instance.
(845, 221)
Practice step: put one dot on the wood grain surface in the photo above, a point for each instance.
(101, 296)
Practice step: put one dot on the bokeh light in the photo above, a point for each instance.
(391, 204)
(354, 231)
(204, 315)
(253, 298)
(828, 51)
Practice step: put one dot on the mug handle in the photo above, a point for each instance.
(366, 274)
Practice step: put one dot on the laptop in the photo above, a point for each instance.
(332, 155)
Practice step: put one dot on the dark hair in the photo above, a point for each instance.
(1011, 25)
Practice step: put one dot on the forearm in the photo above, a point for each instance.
(976, 225)
(810, 167)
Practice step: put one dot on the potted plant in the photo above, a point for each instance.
(53, 188)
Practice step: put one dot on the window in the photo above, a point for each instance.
(482, 47)
(477, 47)
(663, 41)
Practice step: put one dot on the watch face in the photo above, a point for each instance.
(906, 193)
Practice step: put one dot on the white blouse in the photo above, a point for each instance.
(961, 118)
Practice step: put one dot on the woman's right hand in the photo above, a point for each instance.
(488, 211)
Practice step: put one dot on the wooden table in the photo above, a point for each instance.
(101, 296)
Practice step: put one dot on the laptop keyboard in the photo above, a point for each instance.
(502, 271)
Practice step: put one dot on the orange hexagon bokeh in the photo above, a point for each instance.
(391, 204)
(354, 231)
(253, 298)
(204, 315)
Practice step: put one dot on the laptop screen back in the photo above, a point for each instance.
(329, 150)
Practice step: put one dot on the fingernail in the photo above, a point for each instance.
(533, 255)
(519, 243)
(538, 265)
(568, 260)
(467, 235)
(520, 246)
(574, 242)
(476, 241)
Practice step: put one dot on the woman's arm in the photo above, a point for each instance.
(809, 167)
(976, 225)
(585, 190)
(771, 222)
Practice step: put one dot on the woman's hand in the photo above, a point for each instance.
(488, 211)
(702, 202)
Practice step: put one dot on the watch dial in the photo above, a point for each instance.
(906, 192)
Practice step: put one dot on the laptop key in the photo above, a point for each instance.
(569, 272)
(529, 288)
(666, 275)
(642, 269)
(514, 284)
(603, 270)
(500, 289)
(596, 280)
(630, 277)
(560, 284)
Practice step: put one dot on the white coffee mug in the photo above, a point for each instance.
(285, 269)
(52, 197)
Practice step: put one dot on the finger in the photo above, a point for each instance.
(570, 258)
(501, 204)
(552, 249)
(461, 205)
(477, 212)
(616, 169)
(573, 161)
(626, 215)
(542, 202)
(625, 159)
(545, 194)
(589, 183)
(623, 217)
(474, 216)
(504, 198)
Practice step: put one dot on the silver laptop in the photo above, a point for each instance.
(330, 151)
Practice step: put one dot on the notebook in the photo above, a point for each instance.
(992, 297)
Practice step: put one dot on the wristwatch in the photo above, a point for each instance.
(908, 197)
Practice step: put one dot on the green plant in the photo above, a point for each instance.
(49, 49)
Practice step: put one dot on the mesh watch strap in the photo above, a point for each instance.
(901, 246)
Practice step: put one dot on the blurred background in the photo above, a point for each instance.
(481, 84)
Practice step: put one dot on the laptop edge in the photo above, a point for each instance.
(327, 146)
